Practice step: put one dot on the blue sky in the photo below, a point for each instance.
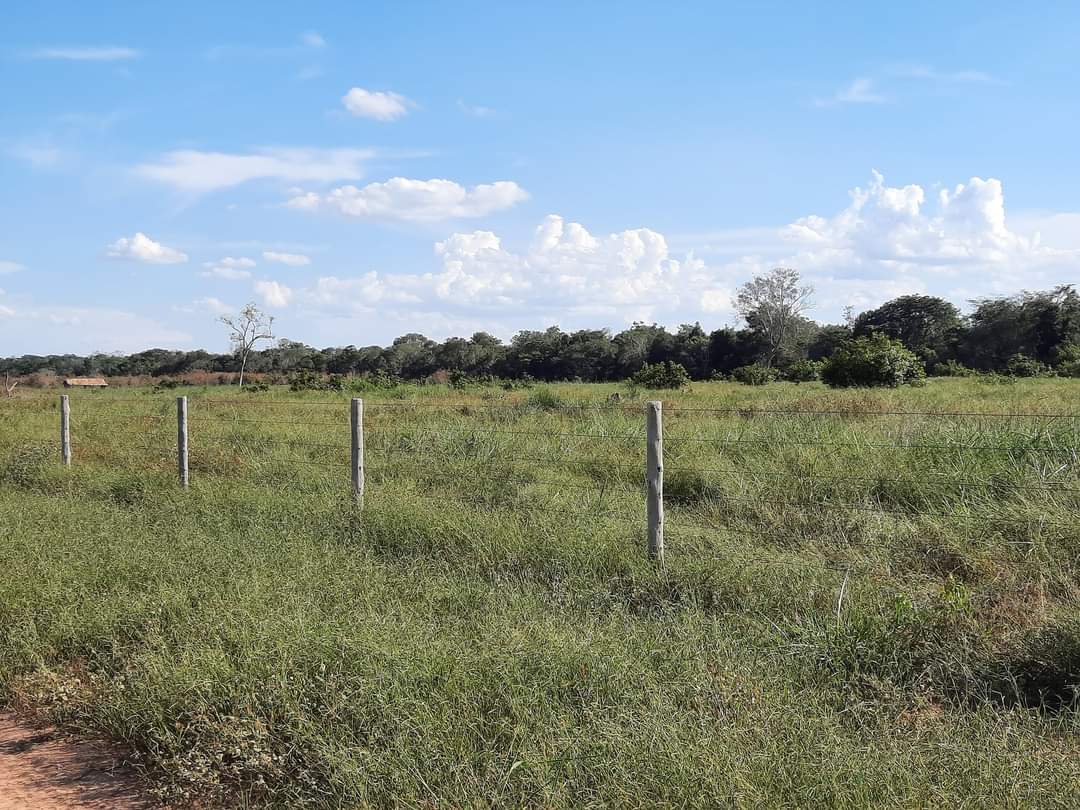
(366, 170)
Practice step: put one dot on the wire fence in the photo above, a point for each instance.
(709, 476)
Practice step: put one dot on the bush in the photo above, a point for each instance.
(545, 399)
(661, 375)
(1068, 360)
(523, 383)
(952, 368)
(375, 381)
(755, 374)
(1020, 365)
(804, 371)
(460, 379)
(872, 361)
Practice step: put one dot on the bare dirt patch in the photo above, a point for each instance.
(45, 769)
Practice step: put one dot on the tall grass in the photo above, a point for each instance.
(859, 607)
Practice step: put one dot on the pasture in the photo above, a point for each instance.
(868, 597)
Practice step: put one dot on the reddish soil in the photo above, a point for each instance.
(44, 769)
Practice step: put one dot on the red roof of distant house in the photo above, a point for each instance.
(85, 382)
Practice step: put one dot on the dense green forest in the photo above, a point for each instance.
(1032, 332)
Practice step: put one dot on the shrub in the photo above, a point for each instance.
(307, 380)
(1020, 365)
(545, 399)
(952, 368)
(661, 375)
(755, 374)
(804, 371)
(524, 382)
(257, 387)
(1068, 360)
(375, 381)
(872, 361)
(460, 379)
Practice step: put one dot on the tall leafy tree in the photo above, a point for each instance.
(926, 325)
(773, 305)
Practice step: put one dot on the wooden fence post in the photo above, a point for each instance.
(356, 421)
(654, 477)
(182, 440)
(65, 430)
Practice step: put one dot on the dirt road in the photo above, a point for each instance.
(43, 769)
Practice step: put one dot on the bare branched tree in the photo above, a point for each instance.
(9, 385)
(774, 304)
(247, 329)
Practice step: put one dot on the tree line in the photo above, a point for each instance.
(1039, 329)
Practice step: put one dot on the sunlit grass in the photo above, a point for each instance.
(859, 607)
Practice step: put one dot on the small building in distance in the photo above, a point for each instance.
(85, 382)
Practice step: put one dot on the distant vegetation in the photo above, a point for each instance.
(1030, 334)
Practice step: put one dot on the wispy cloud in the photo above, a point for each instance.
(475, 110)
(859, 91)
(291, 259)
(302, 46)
(88, 54)
(193, 171)
(40, 154)
(204, 306)
(928, 73)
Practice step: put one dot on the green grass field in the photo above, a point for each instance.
(859, 607)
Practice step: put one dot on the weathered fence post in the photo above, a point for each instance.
(65, 430)
(356, 421)
(182, 440)
(654, 477)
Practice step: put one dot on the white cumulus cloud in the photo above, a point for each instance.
(376, 104)
(291, 259)
(141, 248)
(885, 242)
(415, 200)
(888, 229)
(565, 275)
(193, 171)
(273, 293)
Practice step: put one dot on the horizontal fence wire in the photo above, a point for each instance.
(548, 508)
(492, 474)
(670, 408)
(938, 478)
(192, 421)
(501, 432)
(387, 459)
(755, 411)
(558, 462)
(833, 505)
(950, 446)
(221, 439)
